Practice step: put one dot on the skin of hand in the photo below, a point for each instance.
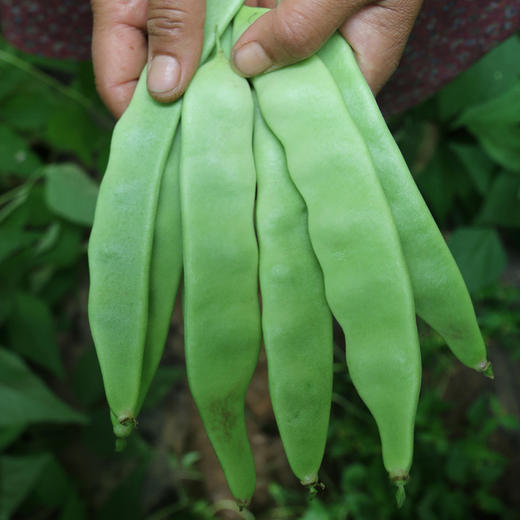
(168, 35)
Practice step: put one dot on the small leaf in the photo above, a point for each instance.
(31, 332)
(15, 155)
(477, 164)
(9, 434)
(71, 129)
(70, 193)
(502, 110)
(164, 379)
(74, 508)
(486, 79)
(479, 254)
(86, 379)
(500, 142)
(501, 206)
(30, 107)
(24, 399)
(19, 476)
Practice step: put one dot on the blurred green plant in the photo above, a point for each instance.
(463, 146)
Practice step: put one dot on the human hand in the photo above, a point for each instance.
(292, 31)
(296, 29)
(120, 48)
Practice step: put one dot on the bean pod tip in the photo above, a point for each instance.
(486, 368)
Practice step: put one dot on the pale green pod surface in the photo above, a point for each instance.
(220, 300)
(165, 267)
(219, 14)
(441, 296)
(356, 243)
(120, 247)
(296, 320)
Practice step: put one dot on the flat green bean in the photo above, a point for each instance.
(441, 296)
(296, 320)
(120, 248)
(356, 243)
(220, 300)
(121, 244)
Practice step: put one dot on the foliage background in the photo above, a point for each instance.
(57, 458)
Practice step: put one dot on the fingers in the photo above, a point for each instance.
(118, 50)
(294, 30)
(175, 36)
(378, 34)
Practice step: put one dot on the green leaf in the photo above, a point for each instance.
(477, 164)
(164, 379)
(11, 79)
(125, 501)
(15, 155)
(66, 249)
(86, 379)
(479, 254)
(19, 476)
(9, 434)
(24, 399)
(13, 237)
(54, 485)
(71, 129)
(502, 110)
(501, 206)
(31, 332)
(442, 182)
(492, 75)
(501, 143)
(74, 508)
(70, 192)
(30, 107)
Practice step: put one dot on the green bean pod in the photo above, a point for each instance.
(220, 300)
(120, 248)
(356, 243)
(441, 296)
(165, 268)
(121, 243)
(296, 320)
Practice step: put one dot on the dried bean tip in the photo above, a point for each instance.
(315, 487)
(486, 368)
(243, 503)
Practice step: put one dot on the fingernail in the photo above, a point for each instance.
(164, 74)
(251, 59)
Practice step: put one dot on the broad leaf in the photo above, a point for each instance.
(502, 110)
(492, 75)
(70, 192)
(30, 107)
(501, 143)
(31, 332)
(9, 434)
(502, 205)
(479, 254)
(477, 164)
(19, 476)
(15, 155)
(24, 399)
(71, 129)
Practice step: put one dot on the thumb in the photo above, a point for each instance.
(175, 36)
(292, 31)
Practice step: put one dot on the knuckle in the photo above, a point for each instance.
(295, 34)
(166, 22)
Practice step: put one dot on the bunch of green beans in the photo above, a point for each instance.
(341, 231)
